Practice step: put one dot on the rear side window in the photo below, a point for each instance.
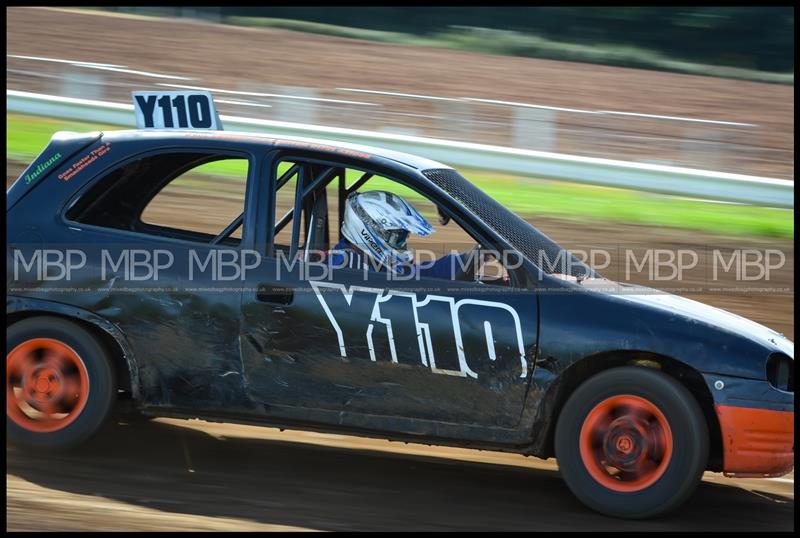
(191, 196)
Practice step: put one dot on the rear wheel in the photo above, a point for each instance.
(632, 442)
(59, 383)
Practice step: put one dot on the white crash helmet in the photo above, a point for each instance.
(379, 223)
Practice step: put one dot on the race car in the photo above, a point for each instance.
(635, 392)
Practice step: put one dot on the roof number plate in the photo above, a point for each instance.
(175, 110)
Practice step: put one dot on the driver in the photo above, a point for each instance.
(376, 228)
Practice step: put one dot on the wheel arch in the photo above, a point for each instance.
(107, 334)
(581, 370)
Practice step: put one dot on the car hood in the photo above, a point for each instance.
(694, 310)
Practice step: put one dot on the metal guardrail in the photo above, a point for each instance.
(613, 173)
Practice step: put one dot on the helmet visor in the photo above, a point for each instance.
(396, 238)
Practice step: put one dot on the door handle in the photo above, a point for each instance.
(269, 293)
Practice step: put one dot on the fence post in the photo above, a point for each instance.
(74, 83)
(534, 128)
(296, 110)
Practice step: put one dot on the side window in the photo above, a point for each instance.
(448, 236)
(204, 199)
(192, 196)
(326, 200)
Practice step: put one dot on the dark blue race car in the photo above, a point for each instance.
(635, 392)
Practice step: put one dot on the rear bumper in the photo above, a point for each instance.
(756, 442)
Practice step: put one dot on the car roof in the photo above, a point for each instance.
(274, 141)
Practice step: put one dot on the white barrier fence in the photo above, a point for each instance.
(690, 182)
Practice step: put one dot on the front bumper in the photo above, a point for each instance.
(757, 426)
(756, 442)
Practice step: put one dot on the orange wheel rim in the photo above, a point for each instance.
(626, 443)
(47, 385)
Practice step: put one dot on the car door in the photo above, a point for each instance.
(159, 230)
(354, 348)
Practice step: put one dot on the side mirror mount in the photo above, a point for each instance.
(443, 218)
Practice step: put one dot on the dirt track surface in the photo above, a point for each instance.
(237, 58)
(192, 475)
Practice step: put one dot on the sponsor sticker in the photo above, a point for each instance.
(84, 161)
(42, 167)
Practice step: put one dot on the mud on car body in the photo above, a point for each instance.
(635, 392)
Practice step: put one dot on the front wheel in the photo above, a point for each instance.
(631, 442)
(59, 383)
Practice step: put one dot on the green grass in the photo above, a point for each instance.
(28, 135)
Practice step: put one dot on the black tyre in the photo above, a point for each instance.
(59, 383)
(631, 442)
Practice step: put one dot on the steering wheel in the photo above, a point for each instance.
(471, 263)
